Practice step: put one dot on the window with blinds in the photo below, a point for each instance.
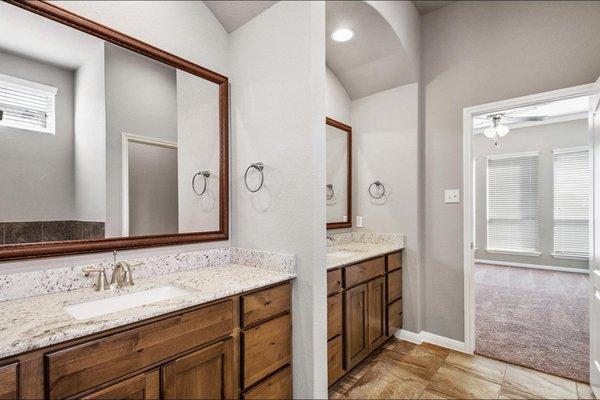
(26, 105)
(513, 206)
(572, 197)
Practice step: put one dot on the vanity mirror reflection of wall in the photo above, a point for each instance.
(100, 142)
(338, 174)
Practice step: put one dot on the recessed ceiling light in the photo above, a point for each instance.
(342, 35)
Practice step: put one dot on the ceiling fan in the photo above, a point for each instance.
(495, 123)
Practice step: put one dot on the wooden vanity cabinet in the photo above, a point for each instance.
(140, 387)
(203, 374)
(9, 386)
(237, 347)
(371, 310)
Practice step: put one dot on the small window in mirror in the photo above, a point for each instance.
(27, 105)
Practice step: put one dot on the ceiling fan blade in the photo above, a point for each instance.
(525, 119)
(521, 110)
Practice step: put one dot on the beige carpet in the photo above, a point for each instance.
(534, 318)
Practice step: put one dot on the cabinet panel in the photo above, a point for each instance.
(140, 387)
(377, 310)
(394, 261)
(334, 281)
(90, 364)
(394, 285)
(266, 303)
(364, 271)
(394, 317)
(279, 386)
(356, 314)
(204, 374)
(334, 316)
(335, 361)
(9, 384)
(266, 348)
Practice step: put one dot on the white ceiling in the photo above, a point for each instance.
(372, 61)
(30, 35)
(427, 6)
(556, 111)
(233, 14)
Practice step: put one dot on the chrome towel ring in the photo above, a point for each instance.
(381, 190)
(259, 167)
(330, 191)
(204, 175)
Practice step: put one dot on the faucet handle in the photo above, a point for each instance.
(102, 282)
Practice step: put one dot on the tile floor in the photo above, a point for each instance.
(402, 370)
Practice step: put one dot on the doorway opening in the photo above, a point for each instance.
(528, 185)
(149, 180)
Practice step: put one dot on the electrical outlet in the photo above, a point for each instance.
(452, 196)
(359, 221)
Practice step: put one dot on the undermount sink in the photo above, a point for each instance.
(96, 308)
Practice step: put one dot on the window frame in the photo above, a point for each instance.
(47, 90)
(567, 150)
(494, 250)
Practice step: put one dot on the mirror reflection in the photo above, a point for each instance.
(338, 173)
(97, 141)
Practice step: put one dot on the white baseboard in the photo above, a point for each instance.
(534, 266)
(408, 336)
(418, 338)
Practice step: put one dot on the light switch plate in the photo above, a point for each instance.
(452, 196)
(359, 221)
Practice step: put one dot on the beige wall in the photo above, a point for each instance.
(542, 138)
(475, 53)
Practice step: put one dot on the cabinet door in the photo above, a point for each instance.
(8, 381)
(356, 315)
(140, 387)
(377, 309)
(204, 374)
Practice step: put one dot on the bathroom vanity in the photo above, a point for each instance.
(228, 336)
(364, 302)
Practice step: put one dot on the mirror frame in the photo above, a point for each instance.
(34, 250)
(348, 130)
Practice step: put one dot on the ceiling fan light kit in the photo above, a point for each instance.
(498, 130)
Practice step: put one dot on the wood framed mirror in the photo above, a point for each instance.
(140, 160)
(338, 174)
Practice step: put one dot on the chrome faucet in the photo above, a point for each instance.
(102, 283)
(122, 275)
(329, 237)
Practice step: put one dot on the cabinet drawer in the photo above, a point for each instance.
(335, 360)
(261, 305)
(394, 261)
(334, 315)
(364, 271)
(394, 285)
(9, 385)
(394, 317)
(279, 386)
(334, 281)
(266, 348)
(143, 387)
(90, 364)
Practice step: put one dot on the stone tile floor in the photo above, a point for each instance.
(403, 370)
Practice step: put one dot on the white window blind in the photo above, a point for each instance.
(513, 203)
(572, 191)
(26, 105)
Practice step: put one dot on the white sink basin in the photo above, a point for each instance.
(113, 304)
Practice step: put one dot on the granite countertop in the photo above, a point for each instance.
(34, 322)
(357, 252)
